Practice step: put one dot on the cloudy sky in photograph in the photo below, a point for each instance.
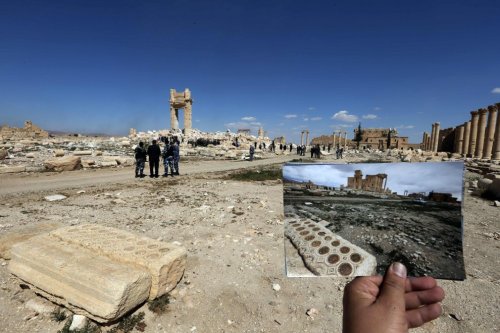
(411, 177)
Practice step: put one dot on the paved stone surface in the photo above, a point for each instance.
(86, 283)
(326, 253)
(165, 262)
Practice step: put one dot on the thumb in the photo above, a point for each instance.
(393, 286)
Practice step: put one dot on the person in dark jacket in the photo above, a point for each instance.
(176, 157)
(140, 159)
(154, 153)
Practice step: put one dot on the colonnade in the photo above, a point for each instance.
(478, 137)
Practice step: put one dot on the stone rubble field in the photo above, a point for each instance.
(234, 236)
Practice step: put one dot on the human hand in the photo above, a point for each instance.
(390, 304)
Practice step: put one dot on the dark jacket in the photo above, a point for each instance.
(175, 149)
(140, 153)
(154, 152)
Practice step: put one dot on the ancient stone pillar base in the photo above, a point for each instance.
(496, 143)
(437, 138)
(187, 118)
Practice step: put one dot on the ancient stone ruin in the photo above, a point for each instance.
(29, 131)
(477, 138)
(181, 100)
(325, 253)
(372, 183)
(97, 271)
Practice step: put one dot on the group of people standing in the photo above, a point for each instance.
(170, 155)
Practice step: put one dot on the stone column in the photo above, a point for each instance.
(436, 142)
(345, 139)
(334, 140)
(428, 142)
(490, 131)
(496, 144)
(188, 111)
(460, 140)
(307, 138)
(481, 129)
(465, 146)
(473, 133)
(174, 118)
(424, 137)
(433, 137)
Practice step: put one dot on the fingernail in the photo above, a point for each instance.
(399, 269)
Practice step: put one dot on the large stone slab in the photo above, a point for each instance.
(164, 261)
(13, 169)
(326, 253)
(66, 163)
(88, 284)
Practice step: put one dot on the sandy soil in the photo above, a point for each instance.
(234, 235)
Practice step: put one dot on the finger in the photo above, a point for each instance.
(393, 287)
(416, 299)
(420, 283)
(422, 315)
(362, 291)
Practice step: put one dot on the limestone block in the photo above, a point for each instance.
(82, 152)
(125, 143)
(30, 155)
(66, 163)
(326, 253)
(484, 183)
(58, 153)
(108, 163)
(165, 262)
(88, 284)
(78, 322)
(13, 169)
(8, 240)
(98, 153)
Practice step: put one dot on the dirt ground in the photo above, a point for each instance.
(233, 231)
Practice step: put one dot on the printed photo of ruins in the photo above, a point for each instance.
(356, 219)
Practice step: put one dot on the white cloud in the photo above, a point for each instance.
(377, 108)
(290, 116)
(405, 126)
(256, 123)
(370, 116)
(249, 118)
(311, 108)
(496, 90)
(345, 117)
(306, 119)
(316, 118)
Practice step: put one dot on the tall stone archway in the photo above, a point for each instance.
(181, 100)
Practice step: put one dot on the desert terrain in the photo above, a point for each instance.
(229, 216)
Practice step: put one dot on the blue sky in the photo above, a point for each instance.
(411, 177)
(106, 66)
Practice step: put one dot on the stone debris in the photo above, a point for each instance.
(40, 306)
(78, 322)
(55, 197)
(276, 287)
(84, 269)
(325, 253)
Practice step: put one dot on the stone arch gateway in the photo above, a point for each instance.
(181, 100)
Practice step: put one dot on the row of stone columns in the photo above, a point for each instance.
(431, 142)
(480, 136)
